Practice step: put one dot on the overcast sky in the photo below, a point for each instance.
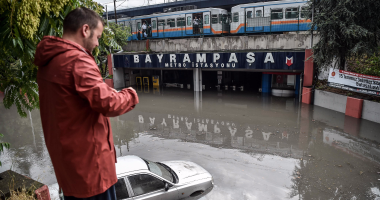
(124, 4)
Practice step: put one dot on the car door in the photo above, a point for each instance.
(149, 187)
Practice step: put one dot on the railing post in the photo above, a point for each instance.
(298, 20)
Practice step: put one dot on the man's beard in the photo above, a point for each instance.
(87, 42)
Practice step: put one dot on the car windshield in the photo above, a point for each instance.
(159, 170)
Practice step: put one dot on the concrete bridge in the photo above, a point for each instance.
(290, 41)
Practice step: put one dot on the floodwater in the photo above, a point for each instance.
(255, 146)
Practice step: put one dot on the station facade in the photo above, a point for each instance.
(271, 72)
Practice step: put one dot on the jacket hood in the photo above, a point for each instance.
(51, 46)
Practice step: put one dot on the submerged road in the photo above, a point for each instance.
(255, 146)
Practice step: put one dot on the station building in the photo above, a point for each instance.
(278, 70)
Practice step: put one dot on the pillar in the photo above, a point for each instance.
(308, 69)
(308, 78)
(298, 85)
(197, 78)
(354, 107)
(198, 101)
(307, 95)
(110, 70)
(110, 64)
(266, 83)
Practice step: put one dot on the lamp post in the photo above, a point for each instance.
(114, 5)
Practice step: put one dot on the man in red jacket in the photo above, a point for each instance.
(75, 105)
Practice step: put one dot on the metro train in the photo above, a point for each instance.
(264, 17)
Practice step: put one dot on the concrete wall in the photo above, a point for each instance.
(330, 117)
(330, 100)
(371, 111)
(336, 102)
(288, 41)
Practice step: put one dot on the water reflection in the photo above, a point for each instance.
(256, 147)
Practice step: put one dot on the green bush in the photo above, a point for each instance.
(369, 65)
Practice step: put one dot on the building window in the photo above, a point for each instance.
(236, 17)
(291, 13)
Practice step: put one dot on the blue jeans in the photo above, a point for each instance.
(109, 194)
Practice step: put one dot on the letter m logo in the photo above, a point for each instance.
(289, 61)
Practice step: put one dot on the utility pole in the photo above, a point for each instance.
(312, 20)
(107, 14)
(114, 5)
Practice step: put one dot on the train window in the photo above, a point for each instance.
(249, 14)
(236, 17)
(138, 25)
(305, 13)
(180, 21)
(214, 19)
(161, 22)
(189, 21)
(207, 19)
(277, 14)
(171, 22)
(259, 13)
(291, 13)
(154, 24)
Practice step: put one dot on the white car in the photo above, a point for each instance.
(140, 179)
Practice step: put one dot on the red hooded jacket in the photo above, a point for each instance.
(75, 105)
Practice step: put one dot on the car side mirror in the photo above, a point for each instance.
(166, 186)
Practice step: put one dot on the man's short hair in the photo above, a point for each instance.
(80, 16)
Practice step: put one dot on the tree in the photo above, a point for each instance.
(23, 23)
(347, 29)
(116, 39)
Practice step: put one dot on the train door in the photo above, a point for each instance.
(189, 24)
(206, 22)
(138, 29)
(154, 27)
(260, 22)
(236, 22)
(249, 19)
(259, 12)
(161, 27)
(128, 25)
(133, 29)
